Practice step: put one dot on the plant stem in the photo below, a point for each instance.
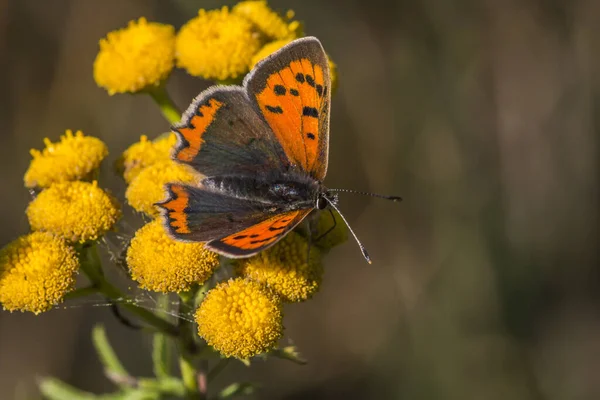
(188, 349)
(91, 266)
(165, 103)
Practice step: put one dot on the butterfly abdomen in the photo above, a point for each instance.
(289, 190)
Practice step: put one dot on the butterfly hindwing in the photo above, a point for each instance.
(258, 237)
(221, 133)
(195, 214)
(292, 90)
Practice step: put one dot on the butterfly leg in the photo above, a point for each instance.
(330, 229)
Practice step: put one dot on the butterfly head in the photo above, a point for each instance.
(324, 198)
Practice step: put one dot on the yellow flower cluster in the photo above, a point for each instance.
(240, 318)
(134, 58)
(145, 153)
(267, 21)
(159, 263)
(74, 157)
(36, 271)
(76, 211)
(286, 268)
(217, 44)
(148, 187)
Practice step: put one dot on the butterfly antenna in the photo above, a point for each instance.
(380, 196)
(360, 245)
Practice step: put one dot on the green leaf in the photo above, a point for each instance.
(238, 389)
(112, 365)
(55, 389)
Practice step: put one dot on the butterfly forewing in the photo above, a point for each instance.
(221, 133)
(291, 88)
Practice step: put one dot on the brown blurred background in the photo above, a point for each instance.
(483, 115)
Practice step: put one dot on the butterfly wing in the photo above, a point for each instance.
(292, 90)
(231, 226)
(221, 133)
(258, 237)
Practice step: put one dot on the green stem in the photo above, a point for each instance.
(195, 385)
(165, 103)
(91, 266)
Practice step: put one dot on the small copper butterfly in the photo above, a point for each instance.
(263, 149)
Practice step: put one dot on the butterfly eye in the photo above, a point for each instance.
(321, 203)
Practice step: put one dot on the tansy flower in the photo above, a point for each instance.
(74, 157)
(136, 57)
(217, 44)
(240, 318)
(36, 271)
(268, 21)
(145, 153)
(334, 233)
(272, 47)
(76, 211)
(148, 187)
(286, 268)
(159, 263)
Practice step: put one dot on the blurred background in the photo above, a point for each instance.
(483, 115)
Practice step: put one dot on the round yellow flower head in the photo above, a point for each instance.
(159, 263)
(36, 271)
(334, 235)
(136, 57)
(266, 20)
(240, 318)
(74, 157)
(148, 187)
(217, 44)
(272, 47)
(145, 153)
(285, 270)
(76, 211)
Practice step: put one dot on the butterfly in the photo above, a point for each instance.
(263, 151)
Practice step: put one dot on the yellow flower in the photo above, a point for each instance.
(145, 153)
(336, 236)
(148, 187)
(285, 270)
(76, 211)
(272, 47)
(36, 271)
(266, 20)
(136, 57)
(240, 318)
(159, 263)
(217, 44)
(73, 157)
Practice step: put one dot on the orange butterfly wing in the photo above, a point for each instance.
(258, 237)
(292, 90)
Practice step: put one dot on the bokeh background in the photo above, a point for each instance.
(483, 115)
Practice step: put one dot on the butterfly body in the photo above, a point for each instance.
(263, 150)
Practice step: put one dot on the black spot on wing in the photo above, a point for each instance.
(311, 136)
(279, 90)
(310, 80)
(294, 92)
(300, 77)
(254, 235)
(238, 237)
(310, 112)
(277, 228)
(320, 90)
(276, 110)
